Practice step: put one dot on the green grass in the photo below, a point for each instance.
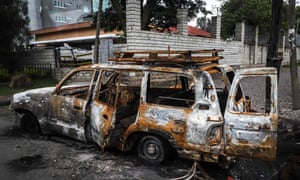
(36, 83)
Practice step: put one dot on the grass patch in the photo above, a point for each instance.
(36, 83)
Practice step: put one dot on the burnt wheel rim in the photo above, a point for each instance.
(151, 149)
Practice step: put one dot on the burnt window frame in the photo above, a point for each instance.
(184, 83)
(72, 73)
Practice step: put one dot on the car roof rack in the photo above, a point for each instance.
(205, 59)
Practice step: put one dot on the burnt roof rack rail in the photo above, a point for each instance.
(205, 59)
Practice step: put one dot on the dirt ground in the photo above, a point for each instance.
(30, 157)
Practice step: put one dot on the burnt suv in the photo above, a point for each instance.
(195, 107)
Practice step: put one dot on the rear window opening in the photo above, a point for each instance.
(170, 89)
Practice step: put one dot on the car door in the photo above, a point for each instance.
(251, 123)
(67, 105)
(103, 107)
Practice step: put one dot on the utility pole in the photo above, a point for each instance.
(293, 57)
(97, 39)
(272, 57)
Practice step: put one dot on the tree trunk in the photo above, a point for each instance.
(117, 7)
(97, 39)
(293, 59)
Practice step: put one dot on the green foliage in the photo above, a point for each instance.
(163, 13)
(164, 17)
(253, 12)
(14, 25)
(4, 74)
(110, 19)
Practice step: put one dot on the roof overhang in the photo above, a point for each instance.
(76, 39)
(68, 27)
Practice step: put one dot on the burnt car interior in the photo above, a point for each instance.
(121, 90)
(170, 89)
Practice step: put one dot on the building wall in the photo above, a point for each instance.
(61, 12)
(34, 13)
(53, 13)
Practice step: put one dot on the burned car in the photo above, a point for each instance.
(160, 104)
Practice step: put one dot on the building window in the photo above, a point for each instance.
(61, 19)
(59, 4)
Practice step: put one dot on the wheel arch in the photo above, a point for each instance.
(28, 112)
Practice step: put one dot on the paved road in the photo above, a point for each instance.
(6, 147)
(48, 157)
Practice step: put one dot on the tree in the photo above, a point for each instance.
(14, 25)
(120, 9)
(161, 13)
(253, 12)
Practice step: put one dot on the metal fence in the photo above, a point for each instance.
(36, 70)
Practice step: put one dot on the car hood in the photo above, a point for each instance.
(31, 95)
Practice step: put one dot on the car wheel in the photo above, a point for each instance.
(152, 149)
(30, 124)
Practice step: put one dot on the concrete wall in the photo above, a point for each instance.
(259, 56)
(143, 40)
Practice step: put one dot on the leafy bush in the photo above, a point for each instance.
(4, 74)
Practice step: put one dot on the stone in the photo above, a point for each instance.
(20, 81)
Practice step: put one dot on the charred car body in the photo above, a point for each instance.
(196, 107)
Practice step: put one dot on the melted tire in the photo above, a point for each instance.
(152, 149)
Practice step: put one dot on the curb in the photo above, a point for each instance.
(5, 100)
